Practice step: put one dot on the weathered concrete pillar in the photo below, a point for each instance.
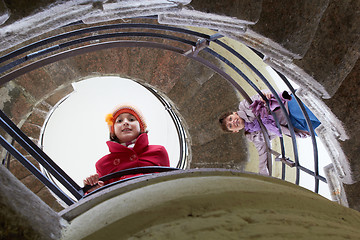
(23, 214)
(291, 24)
(352, 195)
(67, 12)
(4, 12)
(334, 49)
(344, 104)
(224, 16)
(246, 10)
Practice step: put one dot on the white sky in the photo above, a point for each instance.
(76, 134)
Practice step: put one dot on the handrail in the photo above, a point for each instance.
(131, 171)
(284, 111)
(239, 56)
(88, 39)
(93, 29)
(38, 154)
(176, 120)
(28, 165)
(312, 133)
(81, 50)
(125, 43)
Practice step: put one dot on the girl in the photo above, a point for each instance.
(245, 118)
(128, 146)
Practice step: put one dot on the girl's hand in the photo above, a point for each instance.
(302, 133)
(93, 180)
(267, 95)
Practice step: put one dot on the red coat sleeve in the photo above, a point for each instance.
(98, 171)
(164, 157)
(156, 155)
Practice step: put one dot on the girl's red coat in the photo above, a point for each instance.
(122, 157)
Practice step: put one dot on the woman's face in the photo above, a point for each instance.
(234, 123)
(126, 127)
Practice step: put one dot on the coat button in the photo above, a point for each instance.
(116, 161)
(133, 157)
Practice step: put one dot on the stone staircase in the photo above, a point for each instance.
(315, 44)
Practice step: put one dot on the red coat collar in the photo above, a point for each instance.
(141, 143)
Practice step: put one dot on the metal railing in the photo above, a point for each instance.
(39, 54)
(127, 173)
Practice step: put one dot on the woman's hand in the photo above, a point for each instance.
(93, 180)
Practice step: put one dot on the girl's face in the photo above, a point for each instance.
(126, 127)
(234, 123)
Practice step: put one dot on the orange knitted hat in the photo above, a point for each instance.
(111, 117)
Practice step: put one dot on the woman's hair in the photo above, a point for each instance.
(222, 121)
